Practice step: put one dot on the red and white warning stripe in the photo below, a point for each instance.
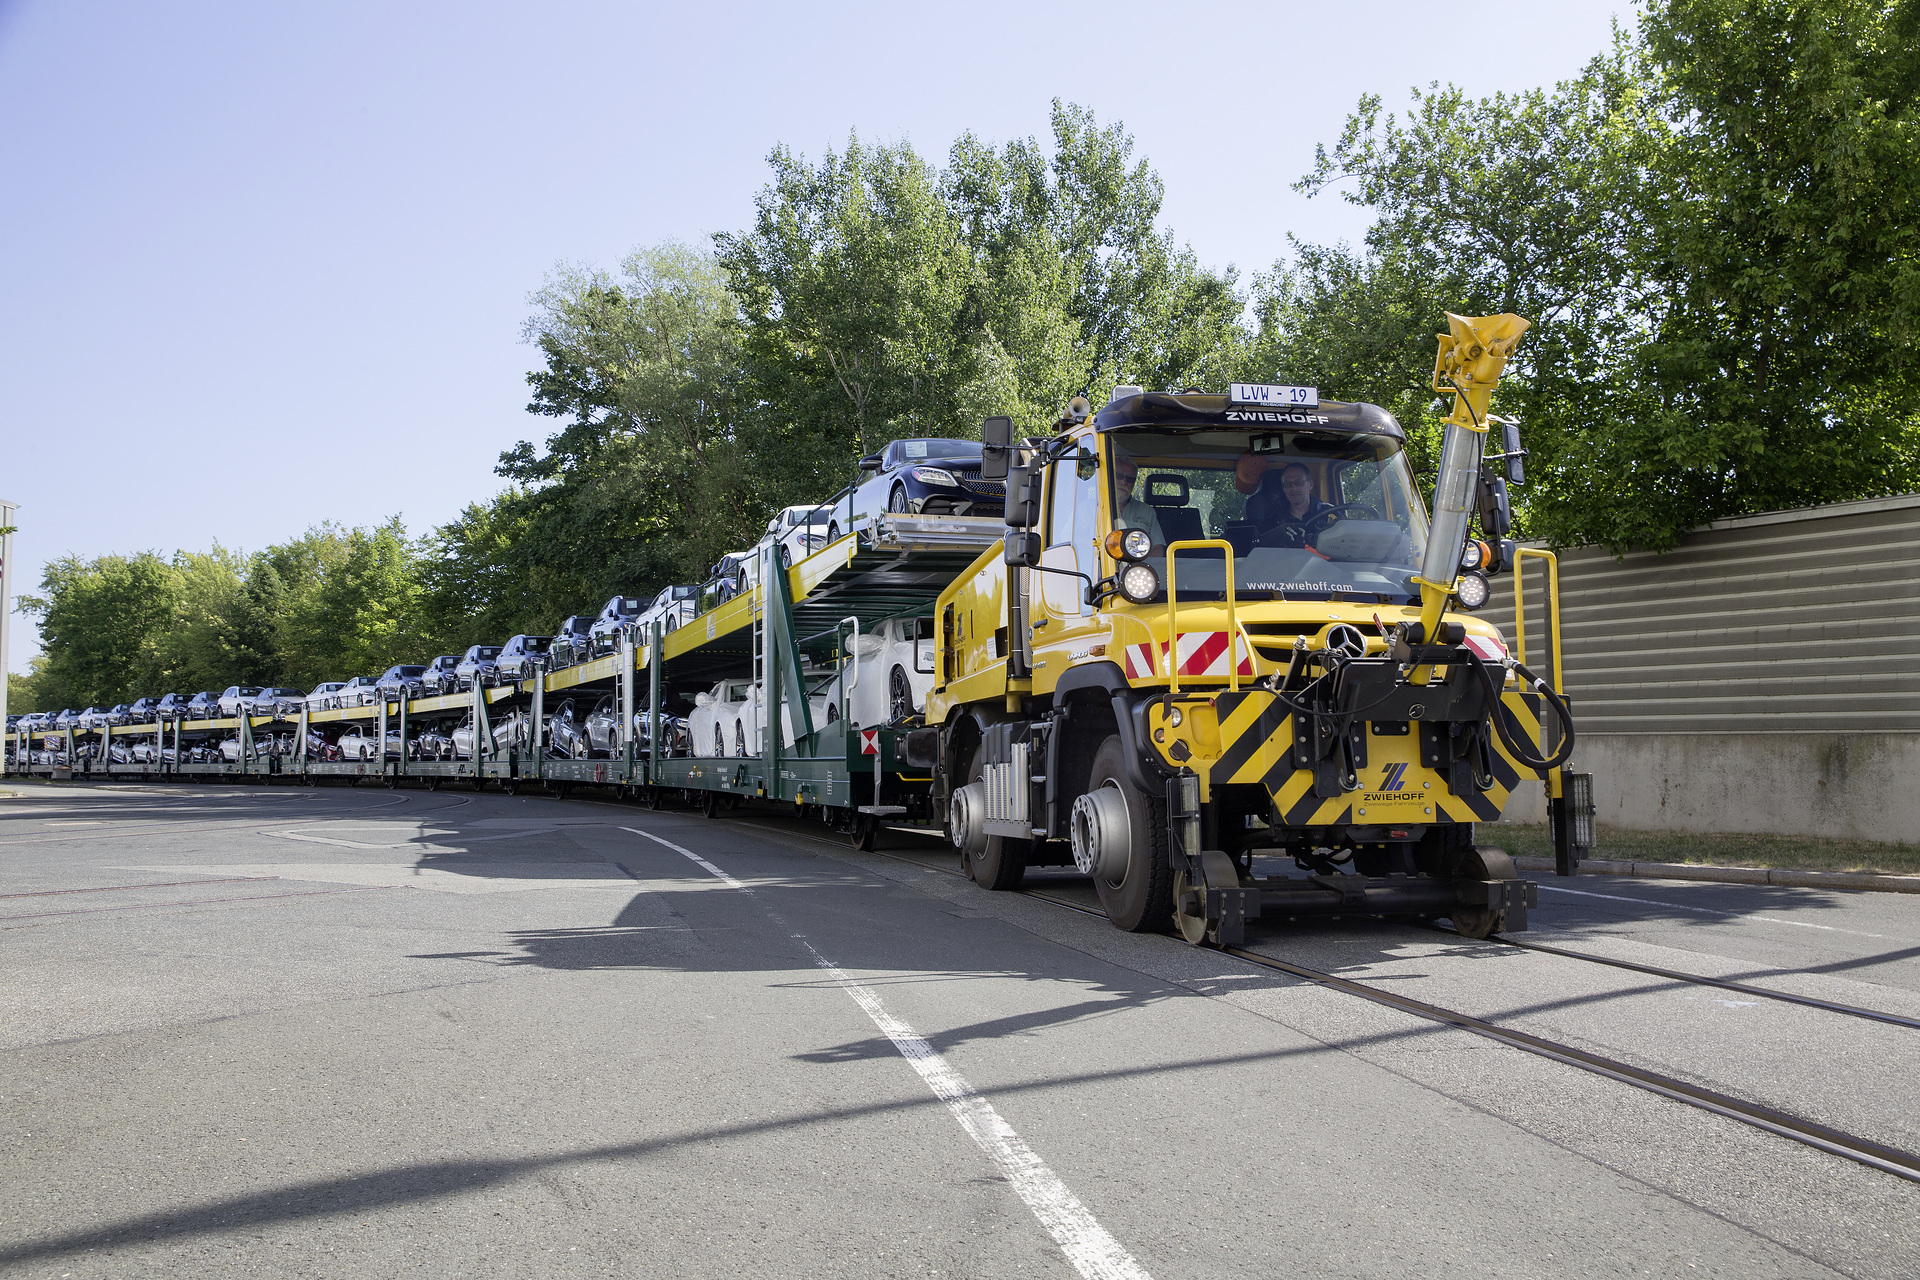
(1202, 653)
(1490, 648)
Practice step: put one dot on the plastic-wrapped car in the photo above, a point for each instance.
(726, 719)
(887, 674)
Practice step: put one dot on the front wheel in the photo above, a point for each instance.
(1141, 900)
(897, 500)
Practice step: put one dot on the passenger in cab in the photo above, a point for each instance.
(1130, 512)
(1280, 503)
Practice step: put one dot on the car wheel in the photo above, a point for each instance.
(899, 696)
(739, 738)
(897, 500)
(833, 533)
(719, 741)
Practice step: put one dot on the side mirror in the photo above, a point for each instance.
(1516, 456)
(870, 463)
(1023, 550)
(996, 440)
(1023, 497)
(1496, 510)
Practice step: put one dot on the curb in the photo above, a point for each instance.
(1736, 875)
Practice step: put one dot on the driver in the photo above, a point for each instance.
(1289, 503)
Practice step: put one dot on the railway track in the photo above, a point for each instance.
(1877, 1155)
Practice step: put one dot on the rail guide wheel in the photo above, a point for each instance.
(653, 797)
(709, 804)
(863, 832)
(1481, 864)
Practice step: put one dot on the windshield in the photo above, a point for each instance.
(1309, 514)
(942, 450)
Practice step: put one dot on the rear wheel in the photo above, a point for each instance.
(1002, 864)
(1141, 900)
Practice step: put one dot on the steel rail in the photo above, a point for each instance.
(1724, 984)
(1866, 1151)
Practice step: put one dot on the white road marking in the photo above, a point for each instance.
(419, 841)
(1091, 1249)
(455, 875)
(1710, 911)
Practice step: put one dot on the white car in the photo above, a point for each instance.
(800, 531)
(670, 608)
(323, 694)
(355, 744)
(888, 674)
(236, 697)
(357, 692)
(726, 719)
(508, 732)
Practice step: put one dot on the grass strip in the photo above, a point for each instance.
(1719, 849)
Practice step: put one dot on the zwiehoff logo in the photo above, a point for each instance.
(1392, 785)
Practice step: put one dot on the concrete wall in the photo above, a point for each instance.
(1764, 676)
(1858, 786)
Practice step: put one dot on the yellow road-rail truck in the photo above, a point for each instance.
(1224, 628)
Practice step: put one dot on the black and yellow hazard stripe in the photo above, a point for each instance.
(1256, 743)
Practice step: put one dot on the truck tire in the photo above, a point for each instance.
(1142, 900)
(1003, 863)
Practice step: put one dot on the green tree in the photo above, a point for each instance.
(656, 474)
(1792, 246)
(101, 622)
(850, 282)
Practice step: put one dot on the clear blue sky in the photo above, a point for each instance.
(266, 265)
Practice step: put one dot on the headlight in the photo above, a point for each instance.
(1472, 591)
(1139, 583)
(934, 475)
(1129, 544)
(1475, 554)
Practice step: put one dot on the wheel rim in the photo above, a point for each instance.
(901, 702)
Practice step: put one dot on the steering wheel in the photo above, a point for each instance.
(1334, 513)
(1296, 535)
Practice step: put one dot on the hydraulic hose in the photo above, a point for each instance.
(1500, 717)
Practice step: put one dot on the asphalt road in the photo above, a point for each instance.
(353, 1032)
